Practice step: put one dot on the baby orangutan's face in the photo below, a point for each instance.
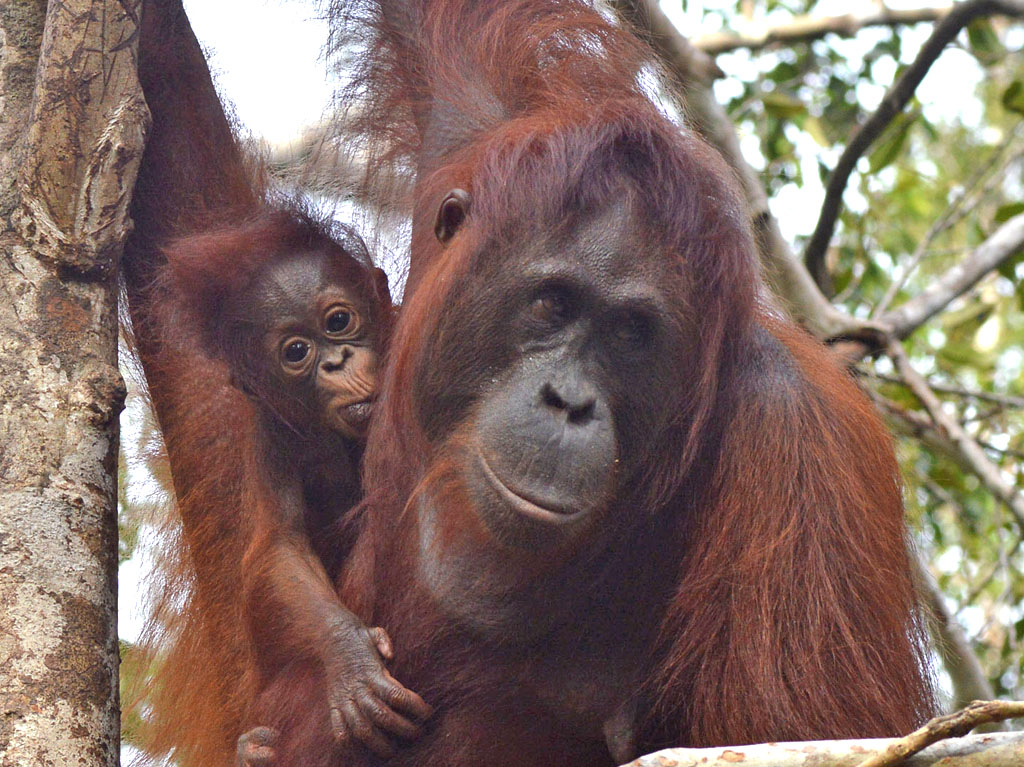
(319, 339)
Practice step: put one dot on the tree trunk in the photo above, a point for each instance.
(72, 126)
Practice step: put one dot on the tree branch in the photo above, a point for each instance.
(1004, 243)
(804, 28)
(688, 63)
(72, 124)
(941, 727)
(85, 138)
(969, 680)
(897, 97)
(956, 211)
(969, 450)
(919, 426)
(898, 324)
(983, 582)
(1005, 749)
(691, 67)
(1006, 400)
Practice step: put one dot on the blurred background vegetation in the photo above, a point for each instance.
(942, 177)
(940, 184)
(936, 184)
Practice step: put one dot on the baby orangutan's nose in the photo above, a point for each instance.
(335, 360)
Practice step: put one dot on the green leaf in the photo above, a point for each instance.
(891, 144)
(968, 319)
(1008, 269)
(1005, 212)
(817, 131)
(975, 234)
(929, 128)
(778, 146)
(984, 41)
(782, 105)
(1013, 97)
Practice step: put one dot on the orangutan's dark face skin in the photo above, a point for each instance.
(560, 363)
(319, 341)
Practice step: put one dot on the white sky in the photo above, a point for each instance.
(267, 58)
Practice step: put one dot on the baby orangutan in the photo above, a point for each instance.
(275, 328)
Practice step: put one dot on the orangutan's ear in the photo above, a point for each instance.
(380, 285)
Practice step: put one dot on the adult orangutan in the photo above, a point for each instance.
(259, 330)
(613, 500)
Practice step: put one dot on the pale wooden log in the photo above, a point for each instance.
(1003, 749)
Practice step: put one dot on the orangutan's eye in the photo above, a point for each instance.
(340, 320)
(294, 351)
(633, 329)
(553, 306)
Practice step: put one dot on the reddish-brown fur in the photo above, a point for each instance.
(749, 582)
(239, 592)
(754, 582)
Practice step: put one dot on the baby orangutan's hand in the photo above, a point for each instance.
(368, 705)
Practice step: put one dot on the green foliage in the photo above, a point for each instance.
(132, 667)
(890, 146)
(1013, 97)
(938, 181)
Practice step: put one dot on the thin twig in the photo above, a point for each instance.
(937, 438)
(970, 451)
(919, 426)
(1004, 243)
(980, 586)
(913, 424)
(961, 662)
(1006, 451)
(954, 213)
(969, 680)
(983, 415)
(941, 494)
(1005, 400)
(995, 181)
(953, 725)
(804, 28)
(897, 97)
(1003, 749)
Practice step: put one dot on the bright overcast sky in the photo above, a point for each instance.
(266, 56)
(267, 59)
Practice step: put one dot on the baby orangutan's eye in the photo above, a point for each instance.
(341, 321)
(294, 351)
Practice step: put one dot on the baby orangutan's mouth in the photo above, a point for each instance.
(353, 419)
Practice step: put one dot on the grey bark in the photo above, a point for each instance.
(895, 100)
(72, 124)
(1003, 244)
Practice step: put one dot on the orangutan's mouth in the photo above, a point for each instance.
(357, 413)
(527, 506)
(352, 420)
